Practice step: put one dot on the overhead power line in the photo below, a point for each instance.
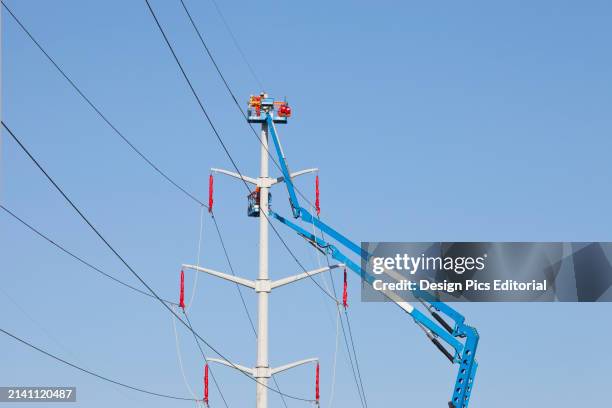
(78, 258)
(231, 267)
(133, 147)
(355, 368)
(100, 114)
(348, 323)
(223, 145)
(205, 359)
(129, 267)
(237, 45)
(92, 373)
(149, 161)
(228, 87)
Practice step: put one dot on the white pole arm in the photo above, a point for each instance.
(294, 364)
(244, 369)
(296, 174)
(235, 175)
(231, 278)
(295, 278)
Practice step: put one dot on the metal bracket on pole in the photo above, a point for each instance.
(236, 279)
(263, 371)
(235, 175)
(294, 364)
(249, 371)
(296, 174)
(295, 278)
(263, 285)
(263, 182)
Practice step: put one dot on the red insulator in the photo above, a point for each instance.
(210, 193)
(206, 384)
(284, 111)
(317, 395)
(345, 291)
(317, 203)
(182, 295)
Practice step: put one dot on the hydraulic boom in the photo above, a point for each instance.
(443, 325)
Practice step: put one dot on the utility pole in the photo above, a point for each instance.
(259, 205)
(263, 307)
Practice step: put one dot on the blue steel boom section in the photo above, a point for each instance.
(462, 338)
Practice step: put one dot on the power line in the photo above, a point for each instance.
(205, 359)
(142, 155)
(130, 144)
(356, 373)
(193, 91)
(229, 89)
(78, 258)
(155, 167)
(217, 134)
(233, 96)
(186, 77)
(120, 134)
(100, 114)
(106, 275)
(235, 41)
(355, 377)
(127, 265)
(229, 263)
(348, 324)
(92, 373)
(220, 139)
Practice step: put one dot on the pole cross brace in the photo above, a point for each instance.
(262, 181)
(263, 285)
(249, 371)
(263, 372)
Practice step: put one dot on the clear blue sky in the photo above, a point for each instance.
(430, 122)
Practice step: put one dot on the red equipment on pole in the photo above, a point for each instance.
(210, 193)
(206, 384)
(345, 291)
(182, 295)
(317, 385)
(317, 206)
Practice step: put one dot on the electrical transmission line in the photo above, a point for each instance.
(127, 265)
(92, 373)
(153, 165)
(78, 258)
(227, 86)
(220, 139)
(357, 372)
(96, 109)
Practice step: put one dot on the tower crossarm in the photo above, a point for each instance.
(249, 371)
(293, 365)
(235, 175)
(236, 279)
(300, 276)
(296, 174)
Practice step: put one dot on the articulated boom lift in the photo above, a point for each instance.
(449, 331)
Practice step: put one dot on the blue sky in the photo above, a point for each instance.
(430, 122)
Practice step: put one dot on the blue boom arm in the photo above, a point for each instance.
(463, 339)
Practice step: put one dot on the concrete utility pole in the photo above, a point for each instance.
(263, 366)
(263, 286)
